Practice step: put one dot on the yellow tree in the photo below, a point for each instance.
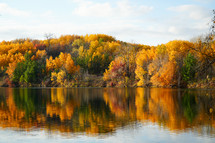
(70, 66)
(10, 69)
(143, 59)
(177, 50)
(49, 64)
(165, 76)
(59, 77)
(40, 54)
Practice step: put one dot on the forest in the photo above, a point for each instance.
(99, 60)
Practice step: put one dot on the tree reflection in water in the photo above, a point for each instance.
(103, 110)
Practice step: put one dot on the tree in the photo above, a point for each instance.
(95, 65)
(28, 71)
(204, 48)
(143, 60)
(189, 68)
(116, 71)
(166, 75)
(59, 77)
(70, 66)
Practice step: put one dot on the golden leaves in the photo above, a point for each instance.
(58, 77)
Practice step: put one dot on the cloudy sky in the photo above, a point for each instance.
(149, 22)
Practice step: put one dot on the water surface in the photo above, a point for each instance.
(106, 115)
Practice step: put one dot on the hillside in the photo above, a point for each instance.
(102, 60)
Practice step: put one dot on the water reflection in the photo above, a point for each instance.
(101, 111)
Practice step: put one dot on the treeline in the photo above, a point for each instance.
(73, 60)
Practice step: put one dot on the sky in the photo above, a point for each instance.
(149, 22)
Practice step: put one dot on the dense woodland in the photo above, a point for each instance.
(102, 60)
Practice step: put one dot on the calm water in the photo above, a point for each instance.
(106, 115)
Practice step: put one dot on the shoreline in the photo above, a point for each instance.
(203, 84)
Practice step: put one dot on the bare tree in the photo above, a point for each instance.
(204, 47)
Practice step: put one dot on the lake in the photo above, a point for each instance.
(107, 115)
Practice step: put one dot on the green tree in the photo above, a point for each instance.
(188, 69)
(28, 71)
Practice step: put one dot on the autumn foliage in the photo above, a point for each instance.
(70, 59)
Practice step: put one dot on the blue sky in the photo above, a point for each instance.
(149, 22)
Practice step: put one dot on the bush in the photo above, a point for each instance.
(28, 71)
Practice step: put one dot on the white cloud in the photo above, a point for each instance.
(204, 1)
(122, 9)
(127, 9)
(5, 9)
(193, 11)
(93, 9)
(123, 19)
(119, 29)
(47, 14)
(173, 30)
(188, 21)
